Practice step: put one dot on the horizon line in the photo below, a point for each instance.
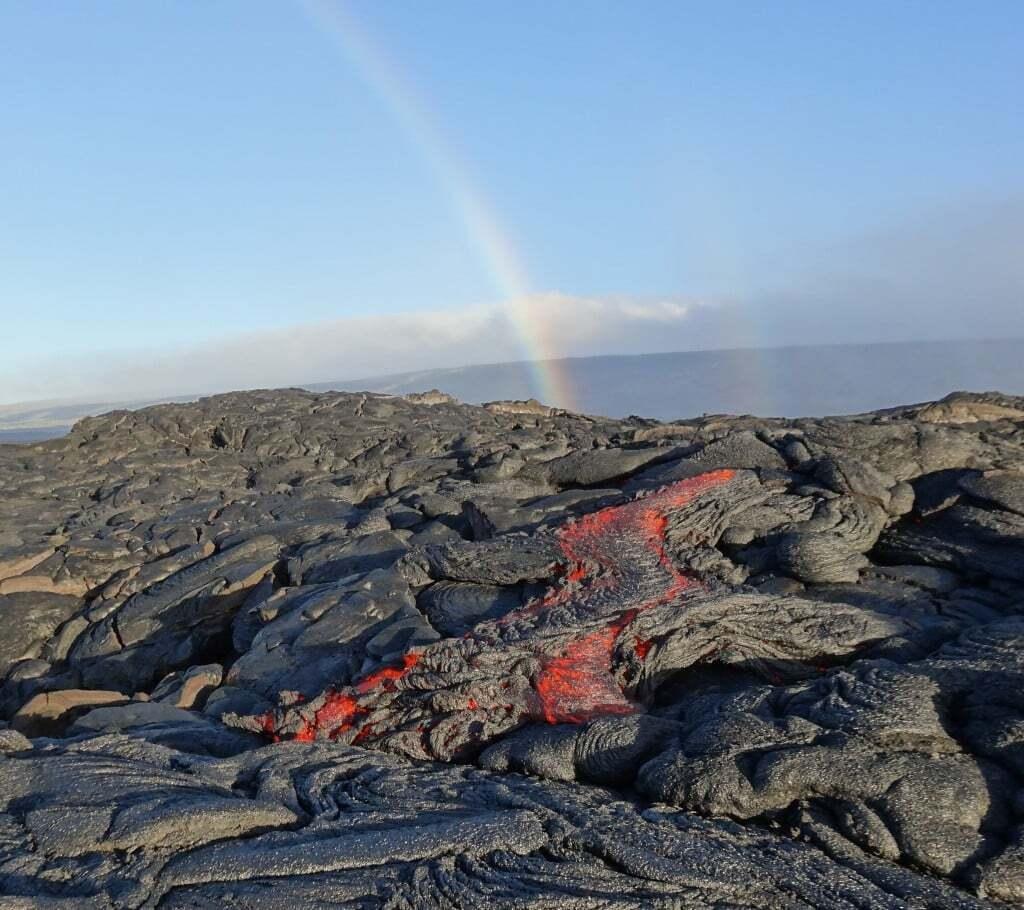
(181, 397)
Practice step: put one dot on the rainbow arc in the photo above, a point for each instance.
(526, 311)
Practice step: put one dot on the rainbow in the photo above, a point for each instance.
(524, 310)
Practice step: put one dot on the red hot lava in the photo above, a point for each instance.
(616, 567)
(578, 685)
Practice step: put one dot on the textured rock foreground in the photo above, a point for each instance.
(278, 649)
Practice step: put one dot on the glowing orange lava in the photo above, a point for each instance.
(611, 558)
(578, 685)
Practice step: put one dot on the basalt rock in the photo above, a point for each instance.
(279, 649)
(29, 621)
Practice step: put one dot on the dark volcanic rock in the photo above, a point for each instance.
(271, 829)
(721, 662)
(29, 620)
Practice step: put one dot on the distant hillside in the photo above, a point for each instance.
(782, 382)
(31, 434)
(32, 421)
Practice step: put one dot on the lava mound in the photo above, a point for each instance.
(280, 649)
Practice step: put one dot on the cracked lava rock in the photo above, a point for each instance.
(282, 649)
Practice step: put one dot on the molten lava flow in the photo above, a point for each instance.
(388, 675)
(578, 685)
(339, 712)
(532, 664)
(642, 647)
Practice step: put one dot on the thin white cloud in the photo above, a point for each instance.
(662, 311)
(958, 274)
(358, 347)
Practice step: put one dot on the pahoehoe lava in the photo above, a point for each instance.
(613, 566)
(277, 649)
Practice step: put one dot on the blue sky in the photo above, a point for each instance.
(176, 174)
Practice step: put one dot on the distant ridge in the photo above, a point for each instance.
(798, 381)
(34, 421)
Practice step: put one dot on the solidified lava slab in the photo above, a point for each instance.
(550, 662)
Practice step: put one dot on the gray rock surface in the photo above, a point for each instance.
(279, 649)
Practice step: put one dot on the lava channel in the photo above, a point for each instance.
(548, 662)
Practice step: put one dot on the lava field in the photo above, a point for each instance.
(280, 649)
